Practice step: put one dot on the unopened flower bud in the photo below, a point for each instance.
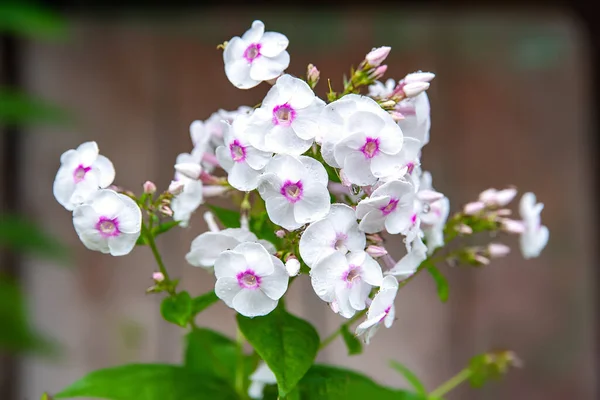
(209, 179)
(149, 187)
(378, 72)
(292, 266)
(396, 116)
(473, 207)
(481, 259)
(166, 210)
(244, 222)
(505, 196)
(415, 88)
(189, 170)
(378, 55)
(512, 226)
(280, 233)
(210, 158)
(176, 187)
(214, 190)
(158, 277)
(312, 75)
(464, 229)
(419, 76)
(387, 104)
(375, 238)
(209, 218)
(335, 307)
(503, 212)
(496, 250)
(376, 251)
(429, 196)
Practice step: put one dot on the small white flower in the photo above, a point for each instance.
(411, 261)
(250, 280)
(294, 190)
(189, 191)
(82, 172)
(390, 207)
(259, 379)
(382, 90)
(287, 120)
(417, 119)
(497, 198)
(338, 231)
(214, 124)
(242, 161)
(346, 280)
(108, 222)
(207, 247)
(292, 266)
(381, 311)
(255, 57)
(535, 235)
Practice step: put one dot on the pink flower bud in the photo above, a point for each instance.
(214, 190)
(158, 277)
(377, 56)
(209, 218)
(505, 196)
(176, 187)
(473, 208)
(512, 226)
(419, 76)
(378, 72)
(415, 88)
(292, 266)
(210, 158)
(396, 116)
(376, 251)
(429, 196)
(504, 212)
(280, 233)
(189, 170)
(464, 229)
(209, 179)
(496, 250)
(375, 238)
(334, 307)
(481, 259)
(149, 187)
(166, 210)
(312, 74)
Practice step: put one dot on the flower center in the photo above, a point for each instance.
(371, 147)
(292, 191)
(413, 219)
(340, 242)
(108, 227)
(410, 167)
(238, 152)
(352, 274)
(252, 52)
(386, 312)
(79, 173)
(391, 206)
(283, 114)
(248, 279)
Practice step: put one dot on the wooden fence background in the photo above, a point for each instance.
(510, 106)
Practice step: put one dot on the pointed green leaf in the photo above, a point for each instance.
(286, 343)
(31, 20)
(177, 309)
(164, 227)
(352, 343)
(229, 218)
(410, 377)
(204, 301)
(148, 382)
(440, 282)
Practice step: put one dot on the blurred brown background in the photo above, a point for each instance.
(510, 105)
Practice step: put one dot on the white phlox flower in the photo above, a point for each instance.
(411, 261)
(346, 280)
(82, 172)
(250, 280)
(535, 235)
(214, 124)
(255, 57)
(294, 190)
(370, 142)
(207, 247)
(417, 118)
(338, 231)
(287, 120)
(259, 379)
(433, 212)
(185, 203)
(108, 222)
(381, 311)
(382, 90)
(390, 207)
(242, 161)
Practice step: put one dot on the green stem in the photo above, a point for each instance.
(239, 365)
(451, 384)
(161, 266)
(335, 334)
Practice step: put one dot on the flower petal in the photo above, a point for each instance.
(275, 285)
(253, 303)
(273, 43)
(229, 264)
(255, 33)
(226, 288)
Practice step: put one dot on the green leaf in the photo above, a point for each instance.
(352, 343)
(17, 108)
(264, 229)
(19, 234)
(45, 396)
(410, 377)
(485, 367)
(212, 354)
(164, 227)
(177, 309)
(229, 218)
(202, 302)
(324, 382)
(286, 343)
(148, 382)
(440, 281)
(30, 20)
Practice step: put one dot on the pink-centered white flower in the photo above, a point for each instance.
(287, 120)
(390, 207)
(381, 311)
(207, 247)
(535, 235)
(108, 222)
(250, 280)
(239, 158)
(255, 57)
(346, 280)
(338, 231)
(294, 190)
(82, 172)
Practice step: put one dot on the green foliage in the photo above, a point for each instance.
(286, 343)
(352, 343)
(19, 234)
(164, 227)
(149, 382)
(264, 229)
(410, 377)
(229, 218)
(177, 309)
(485, 367)
(440, 282)
(30, 20)
(202, 302)
(17, 108)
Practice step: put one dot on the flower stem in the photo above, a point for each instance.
(161, 266)
(239, 366)
(451, 384)
(335, 334)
